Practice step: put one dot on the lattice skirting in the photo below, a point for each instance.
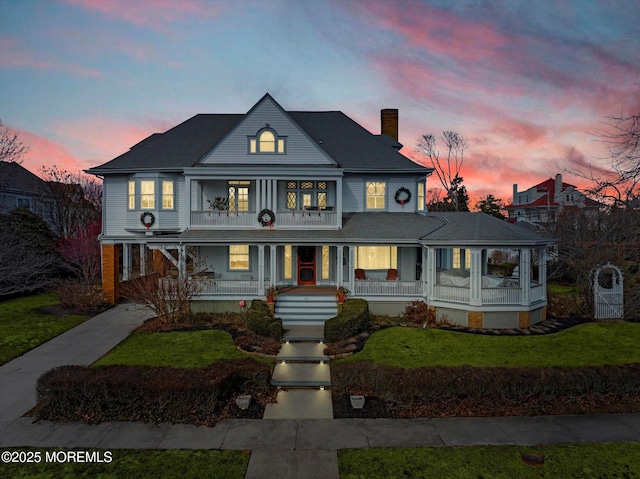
(389, 308)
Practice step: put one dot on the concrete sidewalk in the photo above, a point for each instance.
(306, 448)
(81, 345)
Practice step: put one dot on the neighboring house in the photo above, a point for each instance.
(241, 202)
(541, 203)
(19, 188)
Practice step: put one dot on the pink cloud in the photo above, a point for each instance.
(45, 152)
(14, 56)
(98, 140)
(156, 14)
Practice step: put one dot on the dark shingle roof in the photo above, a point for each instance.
(16, 178)
(349, 144)
(450, 229)
(480, 229)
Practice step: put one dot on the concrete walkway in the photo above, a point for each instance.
(81, 345)
(283, 448)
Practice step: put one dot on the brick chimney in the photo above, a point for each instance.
(389, 122)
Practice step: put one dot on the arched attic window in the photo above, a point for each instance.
(267, 141)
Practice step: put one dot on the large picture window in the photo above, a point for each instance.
(375, 192)
(376, 257)
(239, 257)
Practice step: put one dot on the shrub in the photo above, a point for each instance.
(491, 391)
(260, 320)
(80, 296)
(150, 394)
(352, 320)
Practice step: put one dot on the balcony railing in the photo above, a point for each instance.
(248, 219)
(388, 288)
(225, 219)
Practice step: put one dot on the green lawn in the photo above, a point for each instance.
(137, 464)
(591, 344)
(564, 460)
(183, 349)
(562, 289)
(23, 327)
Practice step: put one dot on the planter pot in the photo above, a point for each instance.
(340, 298)
(271, 299)
(357, 402)
(244, 401)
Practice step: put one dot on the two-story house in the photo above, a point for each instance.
(541, 203)
(306, 201)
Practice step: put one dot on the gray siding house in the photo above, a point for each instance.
(306, 201)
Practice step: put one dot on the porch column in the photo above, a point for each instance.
(259, 203)
(525, 276)
(274, 195)
(428, 271)
(475, 293)
(187, 202)
(182, 261)
(110, 274)
(351, 269)
(339, 203)
(542, 270)
(273, 277)
(339, 265)
(261, 269)
(126, 261)
(143, 259)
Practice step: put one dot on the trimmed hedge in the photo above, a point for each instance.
(261, 321)
(152, 394)
(489, 391)
(352, 320)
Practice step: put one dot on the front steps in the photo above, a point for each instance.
(301, 309)
(302, 374)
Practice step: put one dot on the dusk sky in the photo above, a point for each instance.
(526, 82)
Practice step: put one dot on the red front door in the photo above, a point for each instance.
(306, 265)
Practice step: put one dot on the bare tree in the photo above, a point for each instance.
(80, 254)
(447, 169)
(11, 148)
(75, 201)
(167, 297)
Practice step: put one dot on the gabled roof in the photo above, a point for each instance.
(17, 179)
(350, 145)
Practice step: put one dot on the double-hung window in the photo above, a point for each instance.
(132, 195)
(239, 257)
(375, 192)
(167, 194)
(421, 201)
(147, 194)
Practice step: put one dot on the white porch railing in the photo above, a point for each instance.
(501, 296)
(218, 286)
(211, 218)
(451, 293)
(303, 219)
(388, 288)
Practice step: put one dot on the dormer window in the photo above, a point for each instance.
(267, 141)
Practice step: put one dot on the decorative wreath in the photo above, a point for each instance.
(147, 219)
(266, 217)
(405, 198)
